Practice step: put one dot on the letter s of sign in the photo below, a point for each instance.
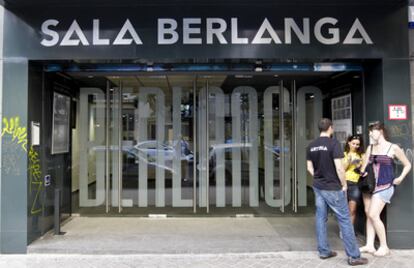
(53, 34)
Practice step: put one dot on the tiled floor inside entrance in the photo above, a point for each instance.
(133, 235)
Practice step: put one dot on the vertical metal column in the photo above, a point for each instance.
(294, 134)
(364, 105)
(107, 121)
(282, 147)
(207, 152)
(120, 147)
(195, 145)
(56, 215)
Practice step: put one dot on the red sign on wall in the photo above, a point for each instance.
(397, 112)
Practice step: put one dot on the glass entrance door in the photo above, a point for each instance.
(157, 145)
(245, 139)
(204, 144)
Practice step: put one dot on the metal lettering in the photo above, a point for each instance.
(334, 32)
(266, 27)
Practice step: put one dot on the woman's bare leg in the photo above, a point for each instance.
(375, 208)
(369, 245)
(352, 210)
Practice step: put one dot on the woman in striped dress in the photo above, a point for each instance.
(381, 155)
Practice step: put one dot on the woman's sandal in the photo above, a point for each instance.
(367, 249)
(381, 252)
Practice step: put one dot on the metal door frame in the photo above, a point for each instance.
(110, 104)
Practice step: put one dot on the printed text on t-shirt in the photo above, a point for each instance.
(319, 148)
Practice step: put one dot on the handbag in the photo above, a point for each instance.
(367, 183)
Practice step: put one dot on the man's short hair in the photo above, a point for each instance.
(324, 124)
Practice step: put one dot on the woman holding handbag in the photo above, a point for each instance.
(352, 162)
(380, 155)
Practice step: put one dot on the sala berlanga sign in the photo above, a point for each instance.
(197, 31)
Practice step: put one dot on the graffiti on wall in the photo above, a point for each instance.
(18, 133)
(18, 136)
(36, 183)
(400, 130)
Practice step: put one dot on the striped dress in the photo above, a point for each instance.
(383, 170)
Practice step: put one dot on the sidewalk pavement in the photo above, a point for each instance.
(397, 259)
(190, 242)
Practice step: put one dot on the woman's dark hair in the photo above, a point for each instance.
(360, 149)
(378, 126)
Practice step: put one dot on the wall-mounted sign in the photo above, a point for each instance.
(206, 31)
(35, 130)
(411, 17)
(397, 112)
(199, 31)
(60, 129)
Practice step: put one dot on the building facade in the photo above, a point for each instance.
(190, 109)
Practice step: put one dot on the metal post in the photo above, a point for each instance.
(195, 145)
(294, 134)
(107, 174)
(282, 146)
(57, 212)
(120, 147)
(364, 105)
(207, 152)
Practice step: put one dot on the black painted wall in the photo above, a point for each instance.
(400, 213)
(58, 166)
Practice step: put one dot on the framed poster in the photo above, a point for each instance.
(60, 123)
(341, 108)
(397, 112)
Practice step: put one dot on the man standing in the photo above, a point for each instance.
(324, 163)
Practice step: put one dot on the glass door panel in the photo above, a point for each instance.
(245, 139)
(203, 157)
(157, 137)
(88, 140)
(277, 142)
(308, 113)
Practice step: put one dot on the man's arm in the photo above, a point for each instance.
(341, 172)
(309, 167)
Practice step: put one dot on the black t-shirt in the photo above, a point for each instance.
(322, 153)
